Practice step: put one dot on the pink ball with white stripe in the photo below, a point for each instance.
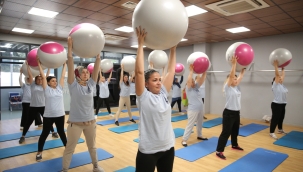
(90, 67)
(200, 61)
(88, 40)
(283, 56)
(244, 53)
(179, 69)
(52, 54)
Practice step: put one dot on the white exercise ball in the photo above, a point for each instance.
(158, 58)
(165, 22)
(88, 40)
(283, 56)
(107, 65)
(52, 55)
(129, 63)
(25, 73)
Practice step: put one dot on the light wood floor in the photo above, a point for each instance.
(124, 149)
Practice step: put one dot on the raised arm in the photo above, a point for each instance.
(239, 79)
(232, 71)
(96, 68)
(44, 82)
(110, 76)
(30, 76)
(121, 74)
(181, 80)
(201, 79)
(139, 67)
(168, 79)
(20, 78)
(190, 76)
(62, 75)
(48, 72)
(277, 74)
(70, 61)
(283, 75)
(163, 73)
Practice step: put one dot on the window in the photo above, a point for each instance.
(16, 50)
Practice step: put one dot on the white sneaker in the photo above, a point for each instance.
(281, 132)
(96, 116)
(181, 113)
(98, 169)
(273, 136)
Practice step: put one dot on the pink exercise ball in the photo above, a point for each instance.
(90, 67)
(52, 54)
(244, 53)
(179, 69)
(201, 65)
(31, 59)
(194, 56)
(88, 40)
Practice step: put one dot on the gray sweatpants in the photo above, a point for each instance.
(193, 117)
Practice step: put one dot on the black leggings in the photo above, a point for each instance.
(178, 102)
(47, 126)
(230, 127)
(133, 99)
(34, 114)
(25, 114)
(278, 114)
(100, 101)
(164, 161)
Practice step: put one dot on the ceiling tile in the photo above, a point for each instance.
(297, 29)
(24, 26)
(291, 26)
(206, 16)
(121, 22)
(30, 22)
(24, 2)
(128, 16)
(77, 12)
(267, 12)
(275, 17)
(59, 22)
(35, 18)
(90, 5)
(259, 26)
(114, 11)
(211, 29)
(86, 20)
(68, 17)
(268, 31)
(8, 19)
(67, 2)
(5, 30)
(16, 7)
(296, 5)
(107, 1)
(48, 5)
(186, 3)
(101, 17)
(199, 25)
(109, 26)
(6, 27)
(47, 27)
(240, 17)
(299, 19)
(11, 13)
(192, 21)
(282, 1)
(250, 22)
(8, 24)
(296, 13)
(283, 22)
(119, 4)
(218, 21)
(228, 26)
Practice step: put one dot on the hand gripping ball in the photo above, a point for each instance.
(88, 40)
(52, 54)
(107, 65)
(128, 63)
(243, 51)
(165, 22)
(283, 56)
(158, 58)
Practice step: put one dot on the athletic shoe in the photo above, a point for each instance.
(273, 136)
(237, 148)
(181, 113)
(21, 128)
(202, 138)
(204, 117)
(98, 169)
(184, 143)
(55, 135)
(281, 132)
(21, 140)
(117, 123)
(39, 157)
(96, 116)
(220, 155)
(132, 120)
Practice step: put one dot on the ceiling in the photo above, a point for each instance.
(283, 16)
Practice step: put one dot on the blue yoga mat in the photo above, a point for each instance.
(178, 118)
(178, 133)
(15, 136)
(127, 169)
(212, 123)
(29, 148)
(112, 121)
(294, 139)
(174, 111)
(55, 165)
(261, 160)
(104, 113)
(123, 129)
(198, 150)
(132, 109)
(251, 129)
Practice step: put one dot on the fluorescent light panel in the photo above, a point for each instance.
(125, 29)
(238, 29)
(136, 46)
(42, 12)
(193, 10)
(183, 39)
(23, 30)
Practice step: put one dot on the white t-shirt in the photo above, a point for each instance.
(54, 106)
(104, 91)
(37, 95)
(155, 129)
(233, 98)
(26, 88)
(194, 98)
(202, 90)
(125, 90)
(81, 104)
(176, 91)
(132, 88)
(280, 93)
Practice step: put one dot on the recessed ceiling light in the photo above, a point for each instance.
(23, 30)
(237, 29)
(42, 12)
(193, 10)
(136, 46)
(125, 29)
(183, 39)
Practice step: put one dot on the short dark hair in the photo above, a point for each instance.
(273, 80)
(147, 73)
(49, 78)
(127, 82)
(36, 78)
